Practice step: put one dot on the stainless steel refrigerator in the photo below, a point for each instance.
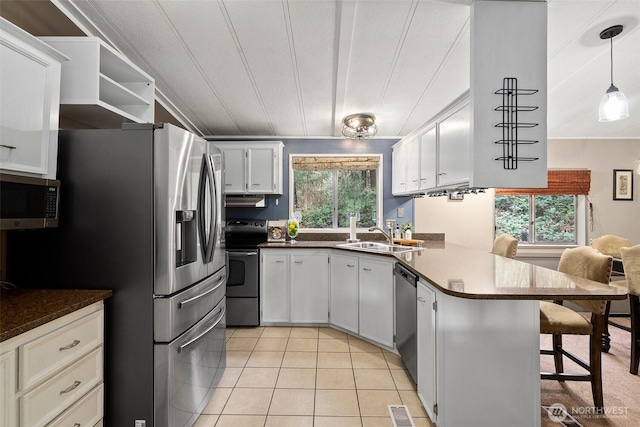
(142, 213)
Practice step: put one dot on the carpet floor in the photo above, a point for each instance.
(621, 390)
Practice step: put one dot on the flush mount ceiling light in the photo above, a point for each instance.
(613, 105)
(359, 126)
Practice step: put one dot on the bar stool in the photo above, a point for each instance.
(631, 261)
(610, 244)
(557, 320)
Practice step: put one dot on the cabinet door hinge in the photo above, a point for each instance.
(394, 339)
(435, 408)
(435, 306)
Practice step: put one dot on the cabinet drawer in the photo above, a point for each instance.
(40, 405)
(87, 411)
(49, 353)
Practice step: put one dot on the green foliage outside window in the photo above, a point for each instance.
(327, 198)
(551, 220)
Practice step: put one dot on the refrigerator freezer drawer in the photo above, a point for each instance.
(188, 370)
(175, 314)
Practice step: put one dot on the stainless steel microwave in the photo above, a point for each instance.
(27, 202)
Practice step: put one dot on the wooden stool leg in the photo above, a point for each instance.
(557, 353)
(606, 339)
(595, 356)
(634, 302)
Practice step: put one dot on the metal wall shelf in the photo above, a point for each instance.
(510, 123)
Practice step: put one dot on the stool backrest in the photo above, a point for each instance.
(505, 245)
(610, 244)
(631, 263)
(588, 263)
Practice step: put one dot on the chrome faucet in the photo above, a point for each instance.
(388, 236)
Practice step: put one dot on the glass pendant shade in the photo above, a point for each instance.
(613, 106)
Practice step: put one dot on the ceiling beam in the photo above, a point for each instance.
(345, 20)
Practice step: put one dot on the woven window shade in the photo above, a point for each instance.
(321, 163)
(577, 182)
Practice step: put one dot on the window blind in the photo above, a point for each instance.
(572, 181)
(322, 163)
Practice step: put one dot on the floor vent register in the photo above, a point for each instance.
(400, 416)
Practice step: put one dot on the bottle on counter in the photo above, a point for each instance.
(397, 234)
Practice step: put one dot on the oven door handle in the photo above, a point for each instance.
(243, 253)
(209, 329)
(204, 294)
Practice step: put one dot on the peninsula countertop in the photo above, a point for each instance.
(24, 309)
(470, 273)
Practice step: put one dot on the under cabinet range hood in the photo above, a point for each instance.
(245, 201)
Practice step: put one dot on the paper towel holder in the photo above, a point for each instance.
(352, 229)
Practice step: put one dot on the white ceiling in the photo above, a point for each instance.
(296, 67)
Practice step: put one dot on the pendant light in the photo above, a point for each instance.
(613, 105)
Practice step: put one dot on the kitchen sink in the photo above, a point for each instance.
(379, 247)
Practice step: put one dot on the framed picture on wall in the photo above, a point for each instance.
(622, 184)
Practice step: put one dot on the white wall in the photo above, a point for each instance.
(467, 222)
(470, 221)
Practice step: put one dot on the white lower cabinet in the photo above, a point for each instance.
(274, 287)
(52, 375)
(344, 292)
(362, 296)
(426, 318)
(473, 353)
(376, 300)
(294, 286)
(8, 386)
(352, 292)
(309, 287)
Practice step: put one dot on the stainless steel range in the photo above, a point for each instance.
(243, 282)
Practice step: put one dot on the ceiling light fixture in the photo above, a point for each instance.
(359, 126)
(613, 105)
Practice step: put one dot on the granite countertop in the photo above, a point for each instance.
(470, 273)
(24, 309)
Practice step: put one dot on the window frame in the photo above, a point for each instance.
(581, 215)
(379, 189)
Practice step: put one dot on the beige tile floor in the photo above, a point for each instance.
(304, 377)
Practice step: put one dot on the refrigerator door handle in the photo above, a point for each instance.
(188, 343)
(207, 240)
(204, 294)
(213, 230)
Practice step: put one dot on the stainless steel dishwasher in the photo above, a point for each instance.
(406, 318)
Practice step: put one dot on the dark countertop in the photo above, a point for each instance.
(24, 309)
(469, 273)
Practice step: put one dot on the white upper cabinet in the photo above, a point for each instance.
(437, 155)
(454, 140)
(29, 103)
(399, 169)
(428, 163)
(100, 87)
(252, 167)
